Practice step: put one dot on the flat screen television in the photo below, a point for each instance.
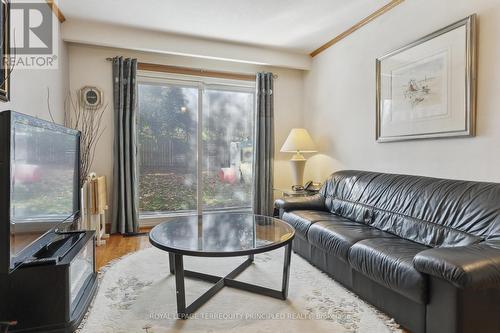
(39, 185)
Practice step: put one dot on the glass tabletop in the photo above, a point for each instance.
(221, 235)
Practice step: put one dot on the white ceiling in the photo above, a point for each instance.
(294, 25)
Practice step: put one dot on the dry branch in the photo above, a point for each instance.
(89, 122)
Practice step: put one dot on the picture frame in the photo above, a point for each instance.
(427, 88)
(5, 49)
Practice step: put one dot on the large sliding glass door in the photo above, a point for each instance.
(227, 138)
(195, 141)
(167, 136)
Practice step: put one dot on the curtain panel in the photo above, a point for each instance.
(264, 146)
(125, 219)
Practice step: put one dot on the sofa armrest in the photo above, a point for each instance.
(314, 202)
(475, 266)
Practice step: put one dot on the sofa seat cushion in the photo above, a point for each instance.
(389, 261)
(337, 235)
(301, 220)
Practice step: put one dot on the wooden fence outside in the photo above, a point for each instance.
(166, 154)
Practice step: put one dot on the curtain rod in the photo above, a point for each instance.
(194, 71)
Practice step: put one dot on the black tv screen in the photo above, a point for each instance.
(43, 166)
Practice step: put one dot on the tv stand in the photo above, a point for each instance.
(53, 293)
(60, 246)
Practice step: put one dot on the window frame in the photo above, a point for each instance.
(202, 83)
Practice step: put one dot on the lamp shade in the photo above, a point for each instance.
(298, 140)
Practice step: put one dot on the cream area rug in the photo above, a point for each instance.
(137, 294)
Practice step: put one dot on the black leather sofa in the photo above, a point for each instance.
(424, 250)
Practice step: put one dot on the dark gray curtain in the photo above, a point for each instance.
(264, 146)
(124, 153)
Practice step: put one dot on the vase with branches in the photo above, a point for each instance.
(89, 122)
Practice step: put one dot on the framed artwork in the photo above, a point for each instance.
(427, 89)
(5, 50)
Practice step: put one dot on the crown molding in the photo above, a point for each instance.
(355, 27)
(57, 11)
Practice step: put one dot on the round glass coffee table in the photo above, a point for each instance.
(221, 235)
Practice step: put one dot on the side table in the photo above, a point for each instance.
(283, 193)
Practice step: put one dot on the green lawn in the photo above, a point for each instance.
(169, 191)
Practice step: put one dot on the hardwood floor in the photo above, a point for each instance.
(117, 246)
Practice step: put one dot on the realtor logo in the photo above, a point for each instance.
(33, 35)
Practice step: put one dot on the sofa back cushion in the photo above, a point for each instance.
(430, 211)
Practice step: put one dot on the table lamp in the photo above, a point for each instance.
(298, 141)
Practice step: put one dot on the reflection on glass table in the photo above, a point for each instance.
(222, 235)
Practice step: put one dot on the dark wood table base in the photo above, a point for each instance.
(177, 268)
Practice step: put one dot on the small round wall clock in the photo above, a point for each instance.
(91, 97)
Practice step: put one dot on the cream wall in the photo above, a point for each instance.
(133, 38)
(28, 92)
(88, 66)
(339, 103)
